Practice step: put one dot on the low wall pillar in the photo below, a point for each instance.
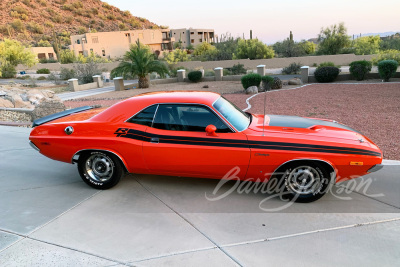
(304, 74)
(97, 79)
(181, 75)
(219, 72)
(119, 84)
(261, 70)
(73, 84)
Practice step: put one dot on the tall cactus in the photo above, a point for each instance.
(251, 34)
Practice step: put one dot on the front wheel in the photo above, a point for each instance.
(305, 182)
(100, 170)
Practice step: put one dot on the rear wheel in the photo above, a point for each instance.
(305, 181)
(100, 170)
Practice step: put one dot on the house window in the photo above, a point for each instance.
(41, 55)
(51, 55)
(192, 33)
(192, 41)
(127, 35)
(95, 39)
(80, 52)
(103, 51)
(200, 40)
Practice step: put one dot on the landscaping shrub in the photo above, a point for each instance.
(277, 83)
(44, 61)
(386, 55)
(326, 64)
(8, 71)
(66, 74)
(195, 76)
(41, 78)
(238, 69)
(209, 73)
(360, 69)
(293, 68)
(251, 79)
(326, 74)
(43, 71)
(387, 69)
(54, 78)
(266, 82)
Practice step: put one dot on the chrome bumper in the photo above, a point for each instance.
(376, 168)
(33, 146)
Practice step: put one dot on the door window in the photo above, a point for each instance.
(145, 117)
(193, 118)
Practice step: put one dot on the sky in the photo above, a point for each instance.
(270, 21)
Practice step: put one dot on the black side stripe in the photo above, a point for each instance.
(146, 137)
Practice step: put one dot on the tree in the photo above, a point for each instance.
(253, 49)
(367, 45)
(12, 53)
(226, 48)
(203, 48)
(177, 55)
(333, 39)
(67, 56)
(308, 47)
(139, 61)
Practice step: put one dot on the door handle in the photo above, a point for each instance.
(154, 140)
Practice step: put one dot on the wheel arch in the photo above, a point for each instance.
(78, 153)
(326, 164)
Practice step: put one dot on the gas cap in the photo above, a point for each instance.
(69, 130)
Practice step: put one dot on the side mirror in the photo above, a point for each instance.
(210, 130)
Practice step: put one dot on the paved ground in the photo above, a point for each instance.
(49, 217)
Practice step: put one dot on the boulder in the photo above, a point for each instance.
(5, 103)
(252, 90)
(47, 107)
(295, 81)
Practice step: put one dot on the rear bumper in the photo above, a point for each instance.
(33, 146)
(375, 168)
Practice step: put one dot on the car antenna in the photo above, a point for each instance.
(265, 100)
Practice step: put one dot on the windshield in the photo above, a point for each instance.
(233, 114)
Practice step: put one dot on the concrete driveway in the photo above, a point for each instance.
(49, 217)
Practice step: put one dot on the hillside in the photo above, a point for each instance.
(31, 21)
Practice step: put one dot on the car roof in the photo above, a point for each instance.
(132, 105)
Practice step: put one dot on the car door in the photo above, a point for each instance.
(179, 144)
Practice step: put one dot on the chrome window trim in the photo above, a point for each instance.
(154, 117)
(224, 121)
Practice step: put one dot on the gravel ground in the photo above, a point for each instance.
(373, 109)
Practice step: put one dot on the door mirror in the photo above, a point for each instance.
(210, 130)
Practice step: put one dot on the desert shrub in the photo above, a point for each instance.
(18, 25)
(69, 19)
(44, 61)
(226, 72)
(111, 17)
(266, 82)
(8, 71)
(43, 71)
(387, 69)
(66, 74)
(326, 74)
(25, 77)
(41, 78)
(54, 78)
(86, 71)
(81, 30)
(276, 83)
(107, 6)
(94, 10)
(68, 7)
(48, 24)
(360, 69)
(33, 27)
(238, 69)
(56, 19)
(43, 3)
(326, 64)
(293, 68)
(209, 73)
(20, 10)
(77, 4)
(387, 55)
(122, 27)
(252, 79)
(195, 76)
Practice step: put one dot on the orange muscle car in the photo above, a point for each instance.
(201, 134)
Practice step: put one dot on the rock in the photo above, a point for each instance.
(206, 86)
(295, 81)
(252, 90)
(5, 103)
(47, 107)
(48, 93)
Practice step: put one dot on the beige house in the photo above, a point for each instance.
(44, 52)
(192, 36)
(115, 44)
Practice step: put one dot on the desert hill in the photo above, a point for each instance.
(36, 21)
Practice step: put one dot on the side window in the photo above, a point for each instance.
(193, 118)
(145, 117)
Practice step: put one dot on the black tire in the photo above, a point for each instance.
(100, 170)
(304, 182)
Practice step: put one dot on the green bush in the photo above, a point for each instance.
(238, 69)
(44, 60)
(293, 68)
(326, 64)
(276, 83)
(8, 71)
(386, 55)
(326, 74)
(360, 69)
(266, 82)
(195, 76)
(66, 74)
(41, 78)
(251, 79)
(43, 71)
(387, 69)
(209, 73)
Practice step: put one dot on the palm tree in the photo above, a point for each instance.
(139, 61)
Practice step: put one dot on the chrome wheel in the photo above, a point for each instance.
(99, 167)
(304, 180)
